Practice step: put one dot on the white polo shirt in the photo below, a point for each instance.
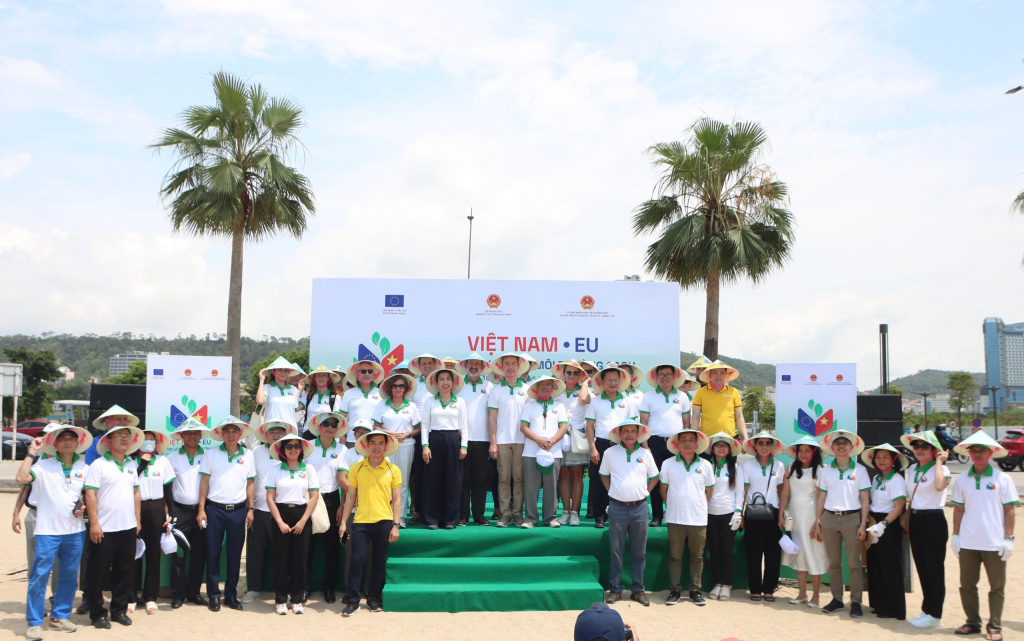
(325, 462)
(764, 479)
(400, 420)
(56, 490)
(186, 475)
(115, 485)
(886, 490)
(629, 472)
(420, 396)
(263, 465)
(983, 498)
(533, 417)
(610, 413)
(665, 411)
(637, 395)
(356, 405)
(574, 410)
(439, 416)
(475, 395)
(843, 486)
(319, 403)
(228, 474)
(687, 499)
(725, 499)
(292, 486)
(509, 403)
(157, 474)
(349, 458)
(921, 493)
(282, 402)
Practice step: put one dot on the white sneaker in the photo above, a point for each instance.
(296, 608)
(715, 591)
(61, 625)
(564, 519)
(250, 596)
(724, 594)
(574, 518)
(917, 619)
(282, 609)
(927, 622)
(34, 633)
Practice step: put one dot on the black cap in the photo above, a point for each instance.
(599, 622)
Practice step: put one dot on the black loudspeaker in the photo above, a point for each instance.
(881, 407)
(878, 432)
(131, 397)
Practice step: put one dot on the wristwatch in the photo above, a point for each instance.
(886, 521)
(396, 525)
(1008, 538)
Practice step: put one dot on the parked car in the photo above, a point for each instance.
(32, 428)
(1013, 441)
(21, 443)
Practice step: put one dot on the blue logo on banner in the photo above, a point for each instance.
(394, 300)
(786, 378)
(158, 372)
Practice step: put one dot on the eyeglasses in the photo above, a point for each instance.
(365, 371)
(919, 446)
(292, 446)
(398, 386)
(572, 373)
(329, 424)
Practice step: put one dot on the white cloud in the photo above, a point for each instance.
(14, 164)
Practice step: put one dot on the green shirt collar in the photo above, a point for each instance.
(67, 470)
(679, 457)
(880, 479)
(631, 452)
(320, 442)
(191, 461)
(443, 404)
(765, 468)
(618, 396)
(367, 393)
(923, 469)
(231, 457)
(852, 466)
(280, 387)
(987, 472)
(120, 466)
(301, 467)
(511, 388)
(405, 403)
(658, 390)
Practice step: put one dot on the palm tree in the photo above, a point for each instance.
(230, 179)
(720, 212)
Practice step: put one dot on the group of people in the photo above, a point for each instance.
(357, 454)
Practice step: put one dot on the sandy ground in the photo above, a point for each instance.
(738, 618)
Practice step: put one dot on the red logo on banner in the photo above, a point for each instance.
(493, 301)
(188, 372)
(587, 302)
(839, 377)
(814, 377)
(213, 373)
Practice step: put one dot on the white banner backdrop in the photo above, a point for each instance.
(393, 320)
(181, 386)
(814, 398)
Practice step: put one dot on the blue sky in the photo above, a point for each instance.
(888, 121)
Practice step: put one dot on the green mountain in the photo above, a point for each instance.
(932, 381)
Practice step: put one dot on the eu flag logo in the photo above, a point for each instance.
(158, 372)
(394, 300)
(787, 377)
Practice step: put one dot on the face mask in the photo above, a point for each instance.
(148, 447)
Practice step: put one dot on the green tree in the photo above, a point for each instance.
(231, 179)
(720, 212)
(962, 391)
(895, 390)
(38, 375)
(136, 375)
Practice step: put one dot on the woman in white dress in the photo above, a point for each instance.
(800, 491)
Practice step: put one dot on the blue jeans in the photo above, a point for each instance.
(632, 521)
(221, 525)
(66, 548)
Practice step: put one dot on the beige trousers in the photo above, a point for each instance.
(837, 531)
(510, 470)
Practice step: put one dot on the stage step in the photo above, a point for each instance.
(492, 584)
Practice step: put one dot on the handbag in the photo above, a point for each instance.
(580, 444)
(319, 519)
(905, 517)
(758, 508)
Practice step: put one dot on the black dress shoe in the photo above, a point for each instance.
(82, 609)
(198, 600)
(101, 623)
(214, 604)
(234, 604)
(121, 618)
(655, 523)
(177, 602)
(599, 523)
(329, 596)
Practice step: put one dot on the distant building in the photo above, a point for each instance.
(120, 363)
(1004, 361)
(939, 403)
(913, 406)
(66, 373)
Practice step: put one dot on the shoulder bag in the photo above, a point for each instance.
(905, 517)
(580, 444)
(758, 509)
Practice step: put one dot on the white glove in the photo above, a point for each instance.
(954, 543)
(1006, 551)
(877, 529)
(734, 522)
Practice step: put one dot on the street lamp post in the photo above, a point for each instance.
(925, 396)
(469, 259)
(993, 390)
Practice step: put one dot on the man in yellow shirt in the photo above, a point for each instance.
(375, 490)
(718, 407)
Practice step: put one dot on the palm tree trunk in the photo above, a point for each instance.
(235, 317)
(711, 316)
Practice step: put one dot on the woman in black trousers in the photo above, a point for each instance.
(446, 439)
(927, 484)
(725, 509)
(885, 556)
(292, 492)
(156, 476)
(763, 475)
